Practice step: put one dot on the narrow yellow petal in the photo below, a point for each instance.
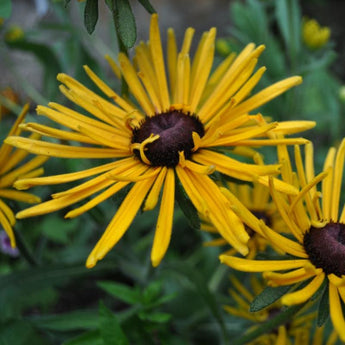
(336, 312)
(246, 265)
(283, 243)
(337, 180)
(305, 293)
(152, 198)
(66, 151)
(8, 179)
(8, 229)
(292, 277)
(158, 61)
(64, 178)
(97, 200)
(113, 65)
(165, 220)
(6, 149)
(57, 133)
(202, 70)
(327, 184)
(136, 87)
(282, 336)
(120, 222)
(7, 212)
(292, 127)
(172, 59)
(19, 196)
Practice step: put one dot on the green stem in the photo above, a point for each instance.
(273, 323)
(24, 249)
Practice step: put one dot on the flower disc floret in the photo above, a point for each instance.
(175, 130)
(326, 247)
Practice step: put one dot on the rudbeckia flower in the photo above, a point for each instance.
(318, 251)
(169, 132)
(12, 167)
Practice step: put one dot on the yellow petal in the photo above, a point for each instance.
(165, 219)
(305, 293)
(336, 312)
(120, 222)
(246, 265)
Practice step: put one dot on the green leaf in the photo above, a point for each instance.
(200, 283)
(74, 320)
(289, 20)
(88, 338)
(19, 332)
(268, 296)
(125, 22)
(67, 3)
(187, 207)
(152, 292)
(155, 317)
(323, 307)
(16, 287)
(57, 229)
(148, 7)
(5, 8)
(111, 331)
(91, 15)
(121, 291)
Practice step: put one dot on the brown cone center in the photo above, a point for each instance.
(175, 130)
(326, 247)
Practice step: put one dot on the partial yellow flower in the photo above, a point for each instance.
(315, 36)
(13, 167)
(296, 331)
(174, 131)
(318, 225)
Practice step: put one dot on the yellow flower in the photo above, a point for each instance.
(169, 133)
(14, 33)
(319, 229)
(298, 329)
(315, 36)
(11, 170)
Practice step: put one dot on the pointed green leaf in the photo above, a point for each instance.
(87, 338)
(125, 22)
(268, 296)
(323, 307)
(5, 8)
(75, 320)
(111, 331)
(121, 291)
(148, 7)
(91, 15)
(155, 317)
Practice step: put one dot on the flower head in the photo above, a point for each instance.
(174, 131)
(12, 169)
(318, 251)
(315, 36)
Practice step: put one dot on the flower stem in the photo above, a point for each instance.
(24, 249)
(273, 323)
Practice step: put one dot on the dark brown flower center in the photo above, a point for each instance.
(175, 130)
(260, 215)
(326, 247)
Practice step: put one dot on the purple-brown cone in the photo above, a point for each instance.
(175, 130)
